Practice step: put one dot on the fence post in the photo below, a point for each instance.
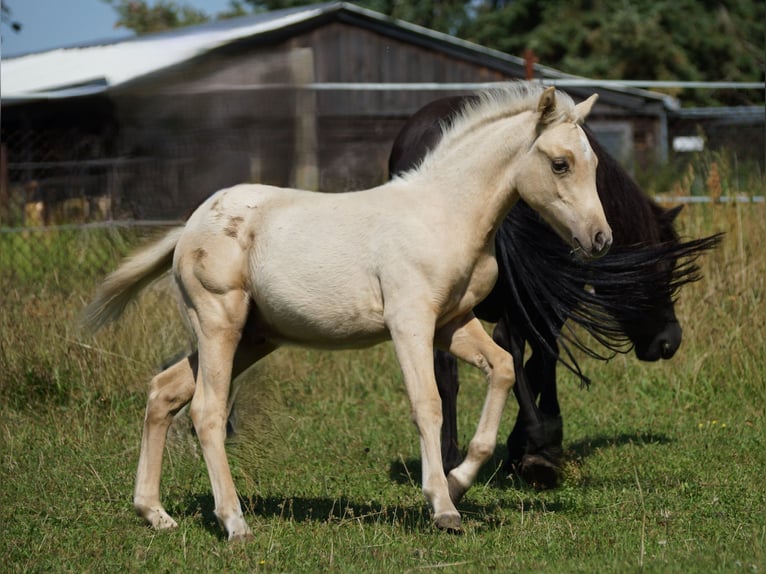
(305, 174)
(5, 194)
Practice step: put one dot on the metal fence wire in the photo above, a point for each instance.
(47, 184)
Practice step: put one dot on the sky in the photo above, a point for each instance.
(50, 24)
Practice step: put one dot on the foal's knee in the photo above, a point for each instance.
(169, 392)
(481, 449)
(427, 413)
(503, 373)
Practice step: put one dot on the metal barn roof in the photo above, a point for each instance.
(94, 68)
(84, 70)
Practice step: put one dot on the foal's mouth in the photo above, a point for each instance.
(599, 248)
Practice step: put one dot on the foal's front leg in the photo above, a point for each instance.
(467, 340)
(414, 348)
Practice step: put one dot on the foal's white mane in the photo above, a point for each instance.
(493, 104)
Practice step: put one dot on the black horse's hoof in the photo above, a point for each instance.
(539, 471)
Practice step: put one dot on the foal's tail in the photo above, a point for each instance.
(122, 285)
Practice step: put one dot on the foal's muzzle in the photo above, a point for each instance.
(600, 243)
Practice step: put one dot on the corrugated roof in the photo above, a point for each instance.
(90, 69)
(83, 70)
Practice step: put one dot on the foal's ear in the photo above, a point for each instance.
(583, 108)
(547, 107)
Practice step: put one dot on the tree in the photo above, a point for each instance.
(443, 15)
(139, 16)
(704, 40)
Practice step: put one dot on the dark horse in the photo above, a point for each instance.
(624, 300)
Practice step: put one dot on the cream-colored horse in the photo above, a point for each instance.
(259, 266)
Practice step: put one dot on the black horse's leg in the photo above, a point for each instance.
(544, 367)
(543, 454)
(445, 368)
(534, 444)
(512, 340)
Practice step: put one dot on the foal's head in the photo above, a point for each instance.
(557, 177)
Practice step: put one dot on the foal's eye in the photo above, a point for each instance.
(559, 165)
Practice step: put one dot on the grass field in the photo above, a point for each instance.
(665, 462)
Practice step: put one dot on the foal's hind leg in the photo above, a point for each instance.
(469, 341)
(218, 319)
(169, 392)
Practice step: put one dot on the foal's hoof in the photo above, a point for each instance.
(237, 528)
(456, 488)
(156, 517)
(449, 522)
(240, 537)
(538, 471)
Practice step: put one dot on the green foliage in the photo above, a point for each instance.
(143, 18)
(445, 15)
(644, 40)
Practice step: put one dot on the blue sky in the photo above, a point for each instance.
(54, 23)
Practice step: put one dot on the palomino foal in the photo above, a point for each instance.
(258, 267)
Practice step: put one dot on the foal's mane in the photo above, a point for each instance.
(488, 106)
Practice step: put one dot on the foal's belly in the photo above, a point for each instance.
(345, 313)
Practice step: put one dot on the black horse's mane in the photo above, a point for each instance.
(647, 266)
(552, 285)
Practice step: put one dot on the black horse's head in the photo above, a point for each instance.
(650, 323)
(648, 318)
(639, 284)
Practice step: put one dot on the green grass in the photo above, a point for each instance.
(665, 462)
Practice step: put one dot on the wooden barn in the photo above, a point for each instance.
(310, 97)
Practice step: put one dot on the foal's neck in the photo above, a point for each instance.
(473, 174)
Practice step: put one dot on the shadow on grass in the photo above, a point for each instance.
(494, 471)
(411, 518)
(585, 447)
(415, 517)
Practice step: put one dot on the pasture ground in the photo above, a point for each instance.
(665, 471)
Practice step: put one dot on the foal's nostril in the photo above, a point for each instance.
(600, 242)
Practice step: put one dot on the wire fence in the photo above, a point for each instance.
(67, 258)
(71, 257)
